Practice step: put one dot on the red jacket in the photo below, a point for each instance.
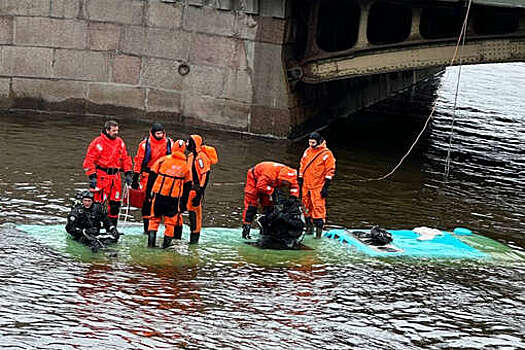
(106, 153)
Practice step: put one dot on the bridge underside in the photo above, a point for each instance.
(345, 39)
(347, 55)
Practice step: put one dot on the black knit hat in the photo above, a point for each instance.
(156, 126)
(316, 136)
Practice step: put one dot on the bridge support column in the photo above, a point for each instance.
(362, 39)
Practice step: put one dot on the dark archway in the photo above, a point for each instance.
(338, 25)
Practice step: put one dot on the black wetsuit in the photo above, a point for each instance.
(84, 226)
(283, 227)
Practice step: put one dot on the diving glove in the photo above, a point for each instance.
(92, 181)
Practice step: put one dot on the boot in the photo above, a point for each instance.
(194, 237)
(167, 242)
(318, 232)
(309, 228)
(152, 236)
(177, 232)
(146, 224)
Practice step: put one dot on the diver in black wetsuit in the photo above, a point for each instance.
(85, 220)
(282, 228)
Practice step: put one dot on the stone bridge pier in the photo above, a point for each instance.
(266, 67)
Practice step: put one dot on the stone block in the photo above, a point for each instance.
(26, 61)
(49, 32)
(238, 86)
(25, 7)
(49, 90)
(207, 109)
(237, 114)
(115, 11)
(160, 73)
(126, 69)
(103, 36)
(270, 30)
(81, 65)
(273, 121)
(6, 30)
(5, 87)
(270, 87)
(163, 101)
(164, 15)
(212, 50)
(209, 20)
(113, 98)
(154, 42)
(205, 80)
(65, 8)
(5, 84)
(56, 95)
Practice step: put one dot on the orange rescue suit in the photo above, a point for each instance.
(262, 180)
(169, 191)
(317, 166)
(200, 166)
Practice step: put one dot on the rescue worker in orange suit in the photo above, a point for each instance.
(262, 183)
(106, 157)
(316, 172)
(169, 183)
(200, 165)
(156, 145)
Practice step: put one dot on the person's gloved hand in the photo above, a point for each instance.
(135, 182)
(197, 199)
(246, 231)
(92, 181)
(183, 206)
(91, 232)
(276, 195)
(324, 191)
(128, 177)
(300, 182)
(114, 232)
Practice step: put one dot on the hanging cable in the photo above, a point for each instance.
(460, 42)
(451, 137)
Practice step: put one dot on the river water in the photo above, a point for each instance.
(50, 299)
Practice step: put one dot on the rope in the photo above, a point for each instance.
(463, 30)
(461, 41)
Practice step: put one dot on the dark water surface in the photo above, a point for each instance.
(50, 299)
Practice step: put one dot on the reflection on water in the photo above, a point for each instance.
(51, 299)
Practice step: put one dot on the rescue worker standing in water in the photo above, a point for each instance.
(262, 182)
(169, 184)
(200, 159)
(153, 147)
(107, 156)
(316, 172)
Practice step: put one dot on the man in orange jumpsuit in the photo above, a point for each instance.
(200, 163)
(156, 145)
(107, 156)
(261, 183)
(169, 183)
(315, 175)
